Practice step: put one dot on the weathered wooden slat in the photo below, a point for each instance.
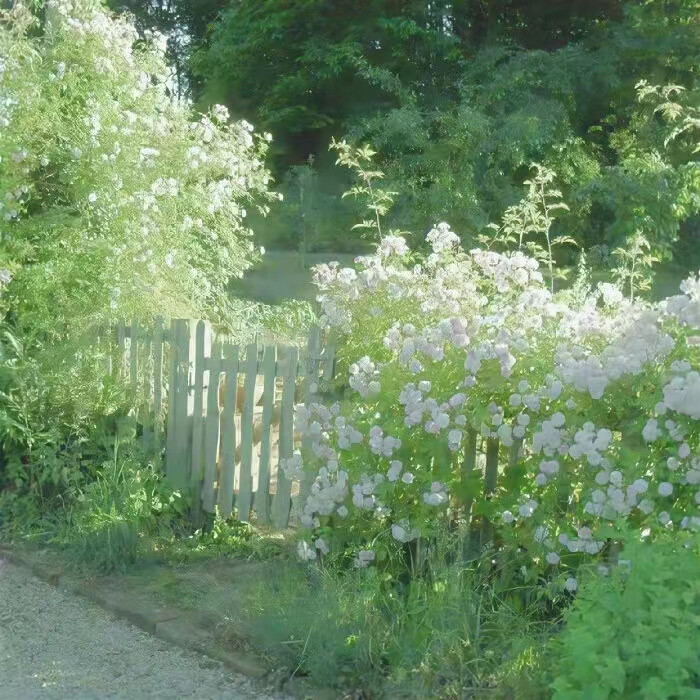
(157, 379)
(197, 457)
(170, 438)
(245, 488)
(134, 355)
(310, 387)
(262, 499)
(179, 470)
(228, 434)
(490, 481)
(211, 436)
(282, 501)
(146, 417)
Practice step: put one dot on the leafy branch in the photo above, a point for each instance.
(533, 216)
(378, 201)
(635, 262)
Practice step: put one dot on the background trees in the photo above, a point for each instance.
(459, 98)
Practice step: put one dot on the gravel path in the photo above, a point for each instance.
(55, 645)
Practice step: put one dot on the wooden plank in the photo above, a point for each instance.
(182, 440)
(227, 430)
(146, 418)
(310, 388)
(134, 355)
(197, 456)
(211, 436)
(490, 481)
(245, 489)
(170, 441)
(157, 378)
(281, 503)
(262, 498)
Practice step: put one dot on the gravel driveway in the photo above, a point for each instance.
(55, 645)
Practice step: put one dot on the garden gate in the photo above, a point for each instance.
(226, 413)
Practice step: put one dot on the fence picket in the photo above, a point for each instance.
(146, 422)
(262, 495)
(170, 440)
(178, 458)
(310, 387)
(197, 457)
(211, 432)
(227, 430)
(282, 501)
(201, 435)
(134, 355)
(245, 487)
(157, 379)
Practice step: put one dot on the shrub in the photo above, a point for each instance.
(633, 634)
(593, 399)
(117, 203)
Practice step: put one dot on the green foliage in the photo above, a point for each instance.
(634, 634)
(116, 202)
(634, 265)
(221, 537)
(117, 512)
(377, 201)
(447, 635)
(533, 216)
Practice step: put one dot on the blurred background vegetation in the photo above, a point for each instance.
(459, 98)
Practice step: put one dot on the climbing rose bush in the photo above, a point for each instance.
(595, 402)
(115, 200)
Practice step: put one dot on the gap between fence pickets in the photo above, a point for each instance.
(211, 440)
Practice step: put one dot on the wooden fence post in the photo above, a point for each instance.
(468, 467)
(211, 430)
(227, 430)
(180, 405)
(245, 484)
(282, 501)
(157, 380)
(262, 495)
(202, 346)
(313, 361)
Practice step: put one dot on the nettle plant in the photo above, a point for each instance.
(115, 200)
(595, 405)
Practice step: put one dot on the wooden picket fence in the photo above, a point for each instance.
(224, 414)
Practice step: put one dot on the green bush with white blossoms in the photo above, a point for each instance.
(593, 399)
(115, 200)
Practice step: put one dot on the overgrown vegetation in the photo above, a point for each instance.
(504, 499)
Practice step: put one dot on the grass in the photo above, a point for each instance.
(447, 635)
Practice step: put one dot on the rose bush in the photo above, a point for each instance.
(116, 201)
(594, 401)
